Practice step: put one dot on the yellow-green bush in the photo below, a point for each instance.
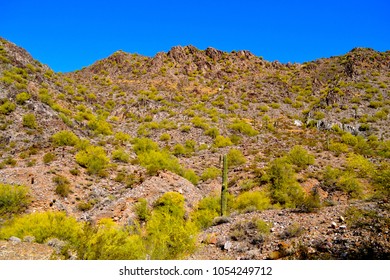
(210, 173)
(300, 157)
(43, 226)
(48, 157)
(338, 148)
(7, 107)
(108, 241)
(212, 132)
(209, 208)
(94, 158)
(141, 145)
(349, 139)
(169, 234)
(381, 178)
(179, 150)
(159, 160)
(252, 200)
(165, 137)
(120, 155)
(142, 210)
(235, 158)
(263, 227)
(122, 137)
(362, 165)
(343, 180)
(221, 141)
(284, 188)
(22, 97)
(29, 121)
(100, 126)
(65, 138)
(200, 122)
(191, 176)
(13, 199)
(62, 185)
(243, 127)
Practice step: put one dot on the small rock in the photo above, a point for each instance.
(343, 227)
(14, 240)
(227, 246)
(341, 219)
(298, 123)
(311, 250)
(333, 225)
(29, 239)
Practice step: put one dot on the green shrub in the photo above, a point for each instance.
(338, 148)
(122, 137)
(190, 146)
(7, 107)
(65, 138)
(312, 201)
(43, 226)
(250, 201)
(109, 241)
(179, 150)
(212, 132)
(185, 128)
(330, 176)
(13, 199)
(29, 121)
(10, 161)
(191, 176)
(300, 157)
(208, 208)
(243, 127)
(221, 141)
(141, 209)
(22, 97)
(342, 180)
(284, 187)
(381, 178)
(100, 126)
(45, 97)
(200, 122)
(359, 163)
(235, 158)
(159, 160)
(349, 139)
(62, 186)
(169, 235)
(120, 155)
(263, 227)
(141, 145)
(210, 173)
(165, 137)
(84, 205)
(48, 157)
(348, 183)
(93, 158)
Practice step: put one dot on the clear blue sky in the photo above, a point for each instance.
(67, 35)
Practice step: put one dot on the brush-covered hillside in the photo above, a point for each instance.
(123, 159)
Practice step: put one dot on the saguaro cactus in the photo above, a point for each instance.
(224, 189)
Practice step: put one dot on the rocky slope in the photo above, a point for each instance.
(186, 97)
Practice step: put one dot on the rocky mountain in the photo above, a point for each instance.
(307, 144)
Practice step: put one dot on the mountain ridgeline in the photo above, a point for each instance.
(122, 148)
